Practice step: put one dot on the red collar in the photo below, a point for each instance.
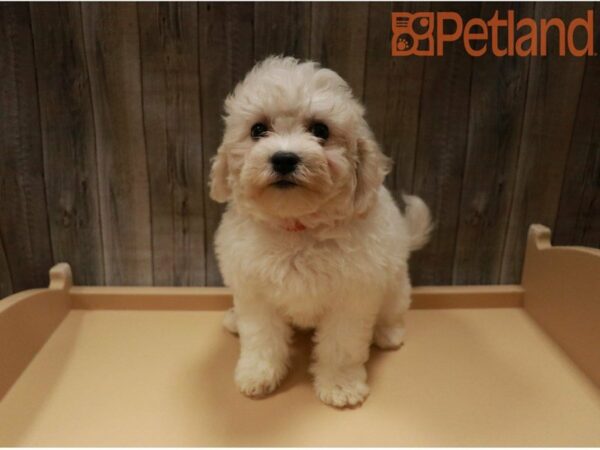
(293, 225)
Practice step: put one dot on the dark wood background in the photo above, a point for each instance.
(109, 114)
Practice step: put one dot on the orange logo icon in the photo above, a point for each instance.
(413, 34)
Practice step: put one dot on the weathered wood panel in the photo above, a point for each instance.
(226, 40)
(113, 60)
(578, 218)
(23, 209)
(498, 91)
(441, 148)
(338, 40)
(282, 29)
(393, 95)
(172, 126)
(552, 95)
(110, 113)
(68, 138)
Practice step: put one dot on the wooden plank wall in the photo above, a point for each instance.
(110, 114)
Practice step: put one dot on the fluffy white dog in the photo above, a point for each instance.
(310, 238)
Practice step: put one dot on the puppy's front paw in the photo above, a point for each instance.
(389, 337)
(256, 377)
(341, 388)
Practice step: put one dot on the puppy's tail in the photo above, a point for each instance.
(419, 221)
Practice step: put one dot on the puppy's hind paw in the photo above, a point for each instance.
(388, 337)
(230, 321)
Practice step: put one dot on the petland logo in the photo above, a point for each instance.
(426, 33)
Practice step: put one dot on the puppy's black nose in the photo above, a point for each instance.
(284, 162)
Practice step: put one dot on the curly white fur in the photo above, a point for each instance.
(343, 270)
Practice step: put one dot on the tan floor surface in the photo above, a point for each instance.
(464, 377)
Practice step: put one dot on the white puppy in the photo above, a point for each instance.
(310, 238)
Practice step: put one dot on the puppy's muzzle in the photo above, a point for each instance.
(284, 163)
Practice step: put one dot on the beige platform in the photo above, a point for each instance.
(153, 366)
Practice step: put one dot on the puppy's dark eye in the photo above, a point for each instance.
(320, 130)
(258, 130)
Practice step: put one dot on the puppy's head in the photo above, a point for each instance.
(296, 144)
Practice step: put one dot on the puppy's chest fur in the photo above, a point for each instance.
(302, 277)
(300, 274)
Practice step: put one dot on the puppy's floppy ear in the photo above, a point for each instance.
(219, 187)
(372, 167)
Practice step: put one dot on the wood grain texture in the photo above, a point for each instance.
(68, 138)
(23, 217)
(282, 29)
(5, 279)
(441, 149)
(226, 37)
(338, 40)
(497, 106)
(552, 96)
(172, 126)
(113, 59)
(392, 88)
(578, 218)
(111, 112)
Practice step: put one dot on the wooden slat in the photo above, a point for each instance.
(498, 91)
(5, 279)
(23, 216)
(68, 139)
(112, 50)
(552, 95)
(578, 218)
(226, 53)
(338, 40)
(393, 95)
(441, 151)
(171, 101)
(282, 29)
